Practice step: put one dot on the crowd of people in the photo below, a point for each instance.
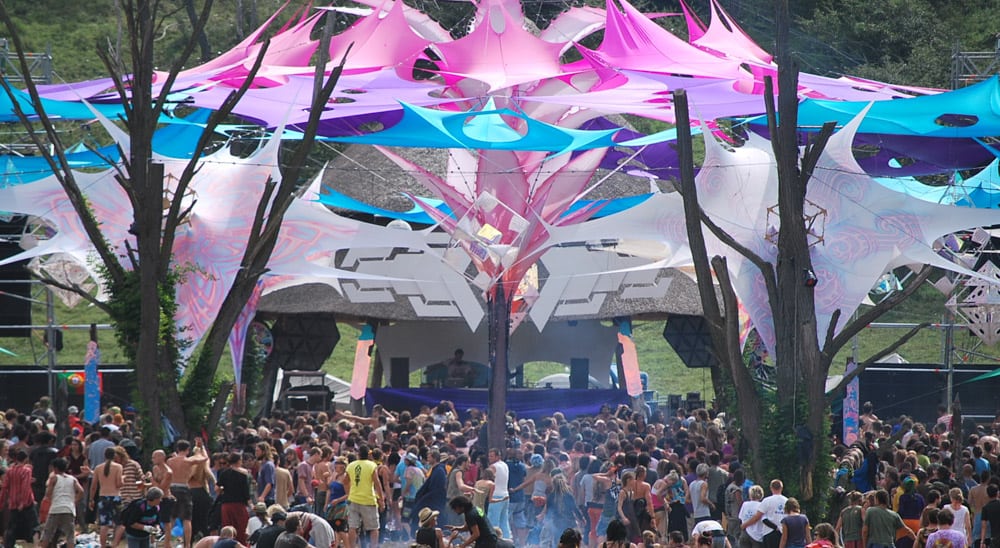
(427, 477)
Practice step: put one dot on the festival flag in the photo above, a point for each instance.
(76, 382)
(362, 362)
(93, 384)
(630, 360)
(851, 398)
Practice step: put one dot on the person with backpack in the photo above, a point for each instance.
(881, 524)
(733, 501)
(141, 519)
(851, 521)
(717, 481)
(412, 481)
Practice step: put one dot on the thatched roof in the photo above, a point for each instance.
(681, 298)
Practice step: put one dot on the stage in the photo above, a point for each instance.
(527, 403)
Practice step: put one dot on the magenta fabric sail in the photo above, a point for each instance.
(526, 133)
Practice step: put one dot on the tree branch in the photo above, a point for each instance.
(860, 368)
(284, 195)
(696, 238)
(219, 407)
(61, 168)
(189, 45)
(111, 59)
(174, 215)
(855, 327)
(814, 150)
(74, 288)
(766, 268)
(831, 328)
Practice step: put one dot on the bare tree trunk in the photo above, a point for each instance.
(239, 20)
(274, 203)
(722, 319)
(498, 317)
(201, 36)
(800, 365)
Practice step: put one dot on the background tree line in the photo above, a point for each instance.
(899, 41)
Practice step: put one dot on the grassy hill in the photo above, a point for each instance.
(72, 31)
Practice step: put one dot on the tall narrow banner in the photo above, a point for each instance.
(362, 362)
(91, 383)
(238, 336)
(630, 359)
(851, 399)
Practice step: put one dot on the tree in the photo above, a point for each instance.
(142, 289)
(803, 359)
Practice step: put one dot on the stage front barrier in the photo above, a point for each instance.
(527, 403)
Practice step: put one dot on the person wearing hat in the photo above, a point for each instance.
(429, 534)
(259, 518)
(74, 417)
(266, 536)
(413, 480)
(432, 492)
(141, 518)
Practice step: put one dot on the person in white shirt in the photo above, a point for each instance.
(770, 512)
(747, 511)
(63, 490)
(499, 508)
(258, 519)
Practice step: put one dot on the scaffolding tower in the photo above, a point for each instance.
(970, 67)
(39, 65)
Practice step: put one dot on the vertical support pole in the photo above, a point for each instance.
(498, 307)
(50, 337)
(949, 344)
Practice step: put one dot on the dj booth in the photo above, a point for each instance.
(527, 403)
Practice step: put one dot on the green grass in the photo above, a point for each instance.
(667, 374)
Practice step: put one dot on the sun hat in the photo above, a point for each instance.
(426, 515)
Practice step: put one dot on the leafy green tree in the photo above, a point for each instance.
(899, 41)
(142, 291)
(803, 356)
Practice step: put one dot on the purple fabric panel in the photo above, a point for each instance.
(660, 159)
(929, 155)
(920, 155)
(338, 127)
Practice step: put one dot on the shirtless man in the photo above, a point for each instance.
(183, 461)
(162, 477)
(107, 484)
(321, 476)
(459, 370)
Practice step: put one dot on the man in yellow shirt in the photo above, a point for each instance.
(364, 497)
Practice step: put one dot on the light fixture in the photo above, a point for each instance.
(808, 278)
